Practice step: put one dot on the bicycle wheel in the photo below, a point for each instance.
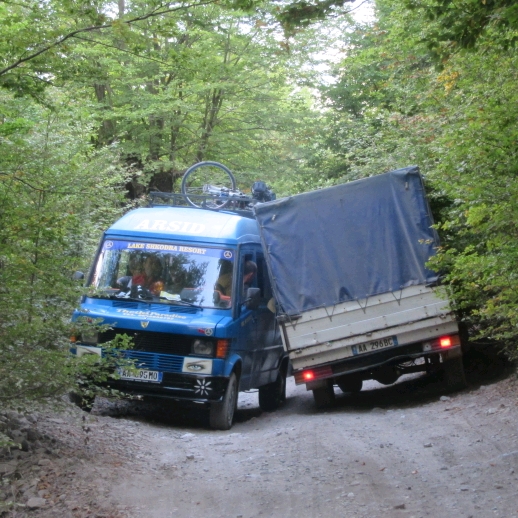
(197, 179)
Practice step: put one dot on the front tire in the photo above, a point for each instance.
(273, 395)
(221, 414)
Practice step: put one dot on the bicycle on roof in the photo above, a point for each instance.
(212, 185)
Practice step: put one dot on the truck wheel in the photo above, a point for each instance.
(453, 374)
(350, 384)
(272, 396)
(221, 414)
(324, 396)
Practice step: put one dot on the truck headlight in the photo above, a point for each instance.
(90, 337)
(203, 347)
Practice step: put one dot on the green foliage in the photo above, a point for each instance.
(102, 101)
(479, 173)
(392, 107)
(301, 13)
(56, 191)
(210, 85)
(449, 26)
(91, 371)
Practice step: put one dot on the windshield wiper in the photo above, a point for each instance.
(133, 299)
(180, 302)
(145, 299)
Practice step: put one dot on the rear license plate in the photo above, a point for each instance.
(140, 375)
(374, 345)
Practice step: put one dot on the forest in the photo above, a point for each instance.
(103, 102)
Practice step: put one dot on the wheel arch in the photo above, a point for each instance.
(285, 366)
(234, 364)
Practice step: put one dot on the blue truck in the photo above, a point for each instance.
(190, 287)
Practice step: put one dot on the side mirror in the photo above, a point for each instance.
(253, 298)
(216, 297)
(78, 276)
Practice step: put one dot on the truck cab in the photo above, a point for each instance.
(190, 288)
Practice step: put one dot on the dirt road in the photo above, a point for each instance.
(382, 453)
(401, 451)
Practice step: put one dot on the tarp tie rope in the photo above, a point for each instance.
(398, 300)
(330, 316)
(363, 308)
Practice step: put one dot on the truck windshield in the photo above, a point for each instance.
(164, 273)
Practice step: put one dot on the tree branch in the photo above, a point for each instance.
(159, 11)
(97, 42)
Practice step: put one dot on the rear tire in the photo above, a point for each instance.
(273, 395)
(324, 396)
(453, 374)
(350, 384)
(221, 414)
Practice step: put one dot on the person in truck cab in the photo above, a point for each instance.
(153, 275)
(249, 275)
(224, 282)
(145, 273)
(137, 275)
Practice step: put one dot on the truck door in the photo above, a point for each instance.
(269, 343)
(247, 321)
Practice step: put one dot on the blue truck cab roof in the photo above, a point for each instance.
(196, 230)
(186, 224)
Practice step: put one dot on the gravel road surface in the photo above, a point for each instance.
(407, 450)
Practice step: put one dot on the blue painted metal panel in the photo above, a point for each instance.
(186, 224)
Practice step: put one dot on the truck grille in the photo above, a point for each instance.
(157, 308)
(155, 362)
(151, 341)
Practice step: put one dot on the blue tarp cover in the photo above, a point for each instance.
(348, 242)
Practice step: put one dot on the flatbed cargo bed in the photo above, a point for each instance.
(325, 335)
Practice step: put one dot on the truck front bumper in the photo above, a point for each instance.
(180, 387)
(201, 388)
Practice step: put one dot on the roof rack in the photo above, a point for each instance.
(237, 205)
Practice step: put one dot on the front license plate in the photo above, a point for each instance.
(140, 375)
(375, 345)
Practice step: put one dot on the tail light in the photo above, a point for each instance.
(445, 341)
(308, 375)
(318, 373)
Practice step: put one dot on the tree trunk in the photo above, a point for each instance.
(107, 129)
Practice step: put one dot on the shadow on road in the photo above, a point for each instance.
(166, 413)
(484, 364)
